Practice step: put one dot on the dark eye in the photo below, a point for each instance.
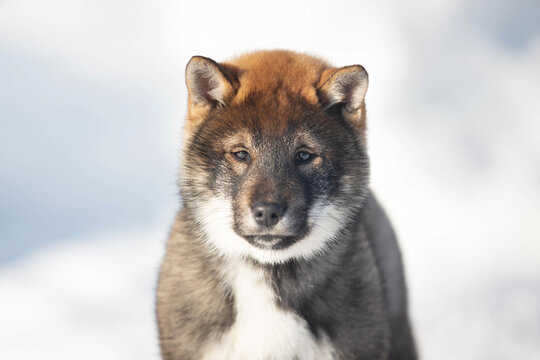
(304, 157)
(241, 155)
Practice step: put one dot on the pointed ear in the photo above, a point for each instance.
(347, 86)
(208, 83)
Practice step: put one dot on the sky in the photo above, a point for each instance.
(92, 101)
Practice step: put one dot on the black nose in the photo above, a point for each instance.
(267, 214)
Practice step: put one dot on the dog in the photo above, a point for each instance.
(280, 250)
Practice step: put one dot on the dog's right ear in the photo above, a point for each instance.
(209, 85)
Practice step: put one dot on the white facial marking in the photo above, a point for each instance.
(216, 217)
(261, 330)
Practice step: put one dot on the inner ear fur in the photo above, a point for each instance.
(347, 86)
(209, 84)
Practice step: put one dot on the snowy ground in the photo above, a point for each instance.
(94, 300)
(91, 101)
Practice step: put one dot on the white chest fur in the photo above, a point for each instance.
(263, 331)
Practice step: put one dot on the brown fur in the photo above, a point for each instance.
(282, 75)
(275, 105)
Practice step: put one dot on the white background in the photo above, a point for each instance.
(91, 106)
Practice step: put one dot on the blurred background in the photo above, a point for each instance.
(92, 101)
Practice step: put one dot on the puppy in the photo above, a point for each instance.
(280, 250)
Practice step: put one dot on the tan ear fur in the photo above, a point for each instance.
(209, 85)
(348, 86)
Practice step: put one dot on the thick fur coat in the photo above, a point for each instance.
(280, 250)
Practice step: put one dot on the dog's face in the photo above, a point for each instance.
(271, 174)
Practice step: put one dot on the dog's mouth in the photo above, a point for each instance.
(270, 242)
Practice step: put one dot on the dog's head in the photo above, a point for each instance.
(274, 160)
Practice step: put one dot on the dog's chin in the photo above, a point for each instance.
(270, 242)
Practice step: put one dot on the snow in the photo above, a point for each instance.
(89, 300)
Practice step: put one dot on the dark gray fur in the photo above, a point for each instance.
(355, 292)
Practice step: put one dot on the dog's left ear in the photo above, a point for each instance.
(347, 87)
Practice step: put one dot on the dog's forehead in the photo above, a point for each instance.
(269, 137)
(278, 74)
(277, 108)
(256, 125)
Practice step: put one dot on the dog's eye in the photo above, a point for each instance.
(304, 157)
(241, 155)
